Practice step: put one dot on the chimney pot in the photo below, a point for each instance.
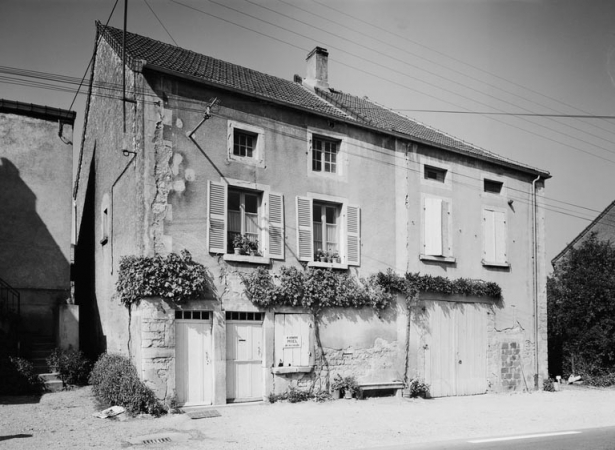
(317, 68)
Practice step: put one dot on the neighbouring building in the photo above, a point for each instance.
(299, 166)
(36, 163)
(602, 226)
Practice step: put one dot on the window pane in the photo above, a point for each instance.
(252, 225)
(251, 203)
(316, 213)
(234, 221)
(233, 200)
(331, 237)
(316, 161)
(331, 215)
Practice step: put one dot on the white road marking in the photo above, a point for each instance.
(527, 436)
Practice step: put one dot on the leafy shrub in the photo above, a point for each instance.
(296, 395)
(547, 385)
(176, 277)
(418, 388)
(17, 377)
(73, 366)
(115, 381)
(345, 384)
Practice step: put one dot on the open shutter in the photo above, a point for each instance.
(305, 241)
(275, 217)
(489, 235)
(216, 213)
(500, 236)
(433, 226)
(444, 216)
(353, 235)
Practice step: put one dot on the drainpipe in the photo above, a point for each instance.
(535, 277)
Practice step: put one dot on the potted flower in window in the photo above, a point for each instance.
(320, 255)
(252, 247)
(336, 257)
(238, 244)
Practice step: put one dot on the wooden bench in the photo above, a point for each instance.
(372, 386)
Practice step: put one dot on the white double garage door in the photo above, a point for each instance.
(194, 359)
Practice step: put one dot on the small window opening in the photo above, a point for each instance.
(494, 187)
(435, 173)
(244, 143)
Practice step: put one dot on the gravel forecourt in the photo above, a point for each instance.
(64, 420)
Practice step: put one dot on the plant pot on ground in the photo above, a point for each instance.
(346, 384)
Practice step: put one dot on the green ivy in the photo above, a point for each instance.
(314, 289)
(317, 289)
(174, 277)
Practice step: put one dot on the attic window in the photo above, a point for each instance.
(493, 187)
(434, 173)
(244, 143)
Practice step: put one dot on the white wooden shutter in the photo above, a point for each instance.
(305, 241)
(444, 218)
(433, 226)
(489, 235)
(216, 214)
(499, 220)
(275, 217)
(299, 328)
(353, 235)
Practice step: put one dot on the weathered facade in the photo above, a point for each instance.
(35, 223)
(299, 166)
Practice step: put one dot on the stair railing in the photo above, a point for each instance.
(9, 301)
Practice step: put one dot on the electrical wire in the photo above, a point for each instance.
(160, 22)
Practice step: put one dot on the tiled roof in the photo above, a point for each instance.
(187, 62)
(156, 54)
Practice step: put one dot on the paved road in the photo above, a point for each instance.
(585, 439)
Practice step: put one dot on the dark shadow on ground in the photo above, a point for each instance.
(15, 436)
(19, 399)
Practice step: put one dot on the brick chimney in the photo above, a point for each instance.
(317, 68)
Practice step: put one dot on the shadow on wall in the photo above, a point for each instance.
(30, 258)
(92, 341)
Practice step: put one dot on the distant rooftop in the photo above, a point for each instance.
(37, 111)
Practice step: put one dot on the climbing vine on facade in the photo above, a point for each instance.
(174, 277)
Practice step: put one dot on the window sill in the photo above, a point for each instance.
(291, 369)
(325, 265)
(247, 259)
(443, 259)
(495, 264)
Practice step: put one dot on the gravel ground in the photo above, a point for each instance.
(64, 420)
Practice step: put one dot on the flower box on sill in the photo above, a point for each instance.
(442, 259)
(291, 369)
(505, 265)
(327, 265)
(247, 259)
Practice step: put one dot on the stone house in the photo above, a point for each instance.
(206, 149)
(36, 158)
(603, 226)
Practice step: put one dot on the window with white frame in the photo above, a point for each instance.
(494, 236)
(330, 226)
(243, 216)
(436, 230)
(256, 214)
(245, 143)
(325, 155)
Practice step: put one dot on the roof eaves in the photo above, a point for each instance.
(582, 234)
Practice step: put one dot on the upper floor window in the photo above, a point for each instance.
(326, 230)
(246, 144)
(494, 237)
(492, 186)
(257, 214)
(437, 225)
(434, 173)
(325, 155)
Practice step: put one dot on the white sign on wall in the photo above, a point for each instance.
(292, 341)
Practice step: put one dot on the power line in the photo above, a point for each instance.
(160, 22)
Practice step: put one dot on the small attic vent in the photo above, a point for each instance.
(298, 79)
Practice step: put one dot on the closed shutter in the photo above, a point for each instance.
(444, 218)
(489, 235)
(275, 217)
(353, 235)
(305, 243)
(433, 226)
(294, 340)
(216, 213)
(500, 236)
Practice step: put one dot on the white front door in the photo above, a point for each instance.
(193, 374)
(455, 346)
(244, 356)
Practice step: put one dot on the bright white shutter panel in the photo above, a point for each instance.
(489, 235)
(353, 235)
(446, 245)
(305, 241)
(216, 213)
(500, 236)
(433, 226)
(275, 216)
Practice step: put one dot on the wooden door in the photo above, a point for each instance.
(193, 367)
(244, 361)
(455, 345)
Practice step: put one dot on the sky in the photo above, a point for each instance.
(469, 68)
